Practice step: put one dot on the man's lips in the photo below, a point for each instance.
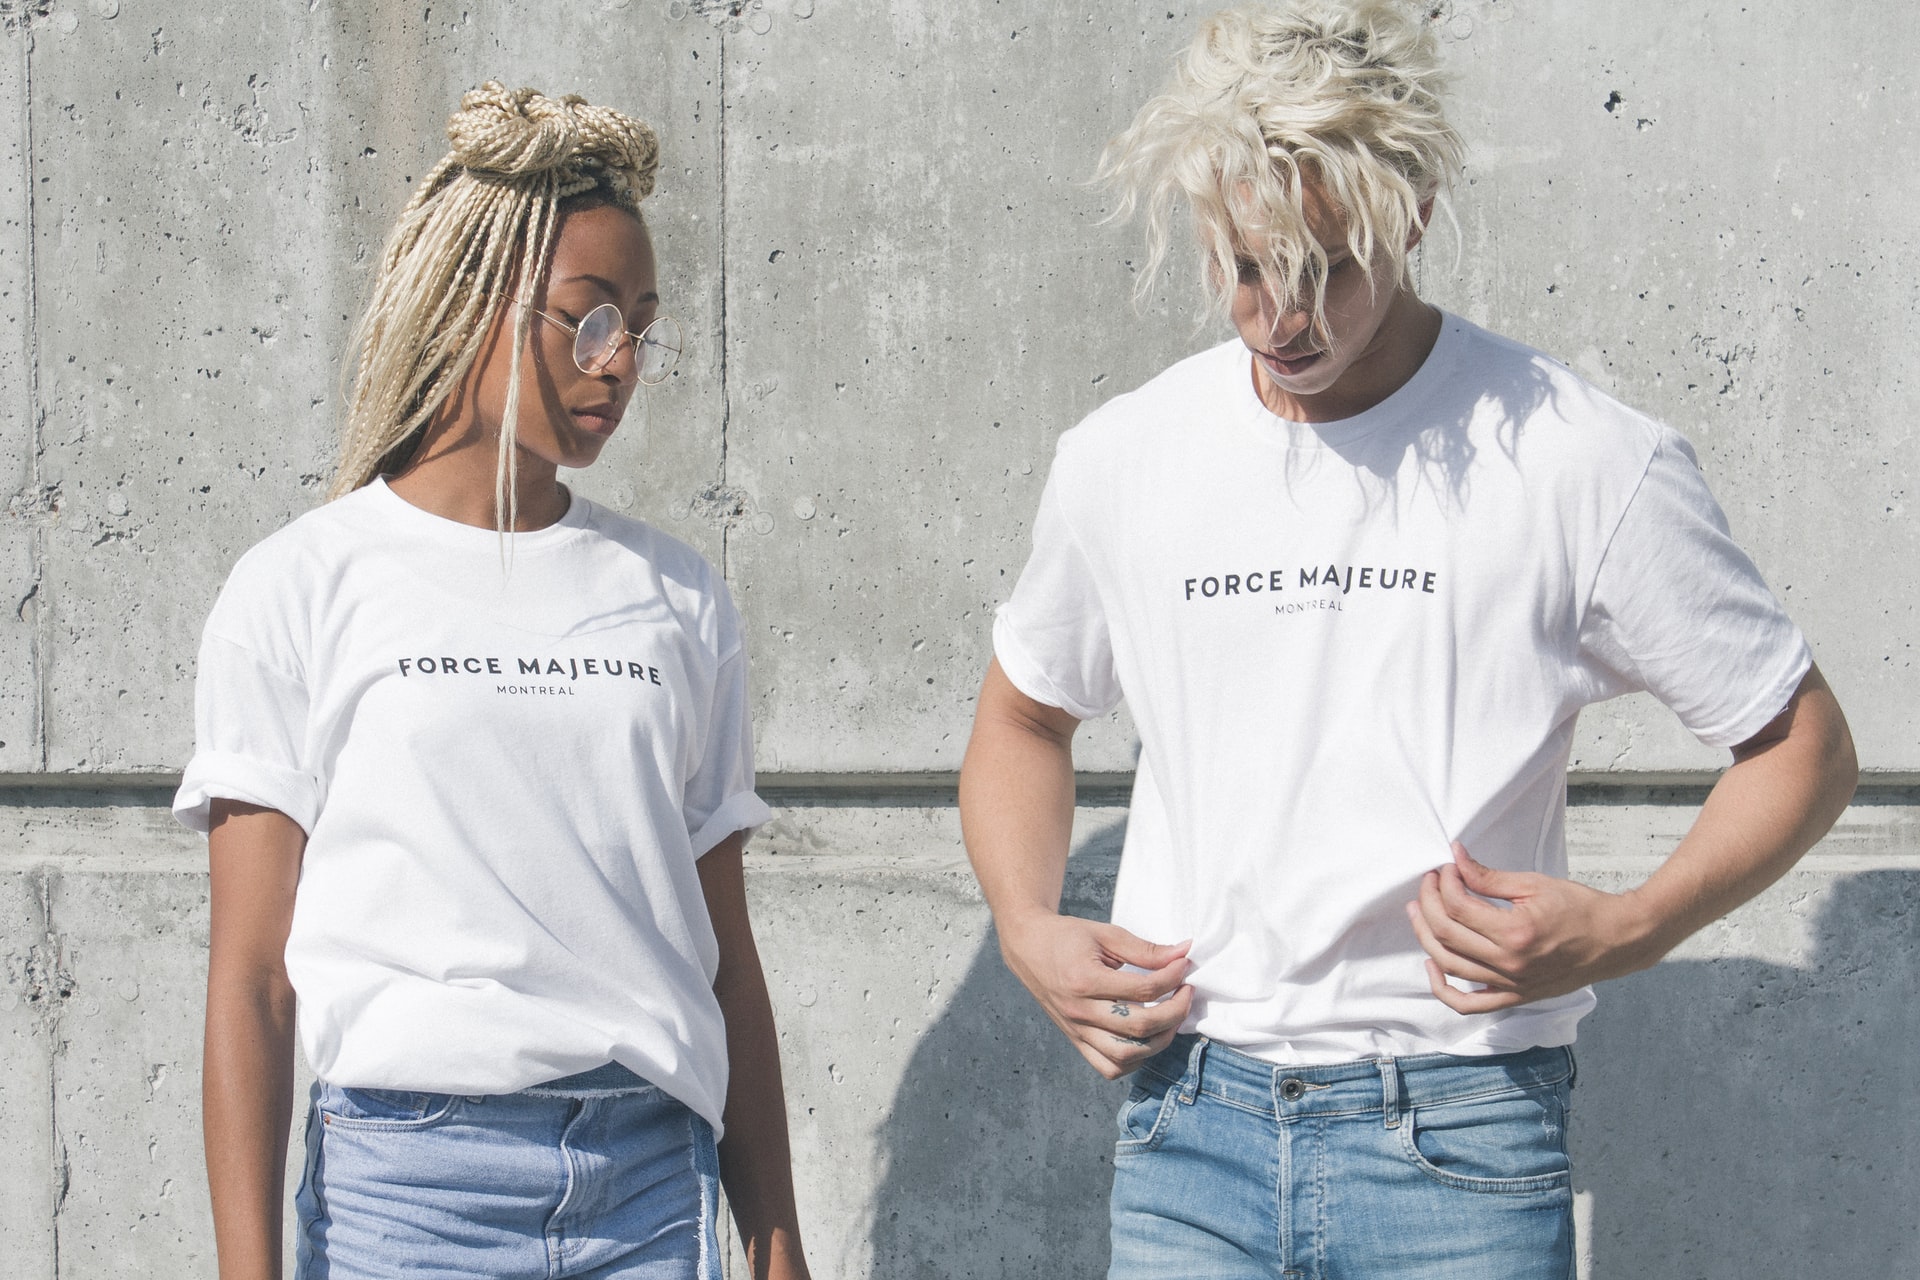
(1290, 367)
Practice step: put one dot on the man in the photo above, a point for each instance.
(1355, 573)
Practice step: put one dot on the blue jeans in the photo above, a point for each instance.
(1436, 1167)
(600, 1175)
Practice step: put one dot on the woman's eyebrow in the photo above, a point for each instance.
(606, 286)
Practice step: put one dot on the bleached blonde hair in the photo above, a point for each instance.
(481, 225)
(1339, 95)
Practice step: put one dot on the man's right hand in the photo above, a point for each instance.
(1073, 967)
(1016, 811)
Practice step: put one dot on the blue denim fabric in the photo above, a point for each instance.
(600, 1175)
(1436, 1167)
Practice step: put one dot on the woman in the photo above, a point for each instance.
(476, 770)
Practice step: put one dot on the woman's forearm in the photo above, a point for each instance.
(756, 1163)
(246, 1089)
(247, 1106)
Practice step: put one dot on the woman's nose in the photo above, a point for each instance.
(623, 365)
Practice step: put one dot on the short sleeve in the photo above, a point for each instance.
(1680, 611)
(250, 730)
(719, 797)
(1052, 638)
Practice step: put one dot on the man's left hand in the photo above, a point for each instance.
(1549, 936)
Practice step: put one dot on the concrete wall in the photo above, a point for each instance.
(874, 222)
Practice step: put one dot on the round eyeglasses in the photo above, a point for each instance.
(596, 340)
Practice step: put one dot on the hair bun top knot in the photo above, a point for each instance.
(517, 133)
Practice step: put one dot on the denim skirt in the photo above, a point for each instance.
(595, 1175)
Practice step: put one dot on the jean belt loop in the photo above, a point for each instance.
(1190, 1081)
(1390, 1091)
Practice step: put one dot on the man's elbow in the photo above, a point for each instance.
(1829, 743)
(1842, 765)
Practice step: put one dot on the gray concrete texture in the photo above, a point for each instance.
(875, 223)
(1744, 1110)
(877, 226)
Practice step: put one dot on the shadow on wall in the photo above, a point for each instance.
(1735, 1120)
(1739, 1120)
(998, 1146)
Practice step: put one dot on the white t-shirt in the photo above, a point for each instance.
(1347, 644)
(507, 756)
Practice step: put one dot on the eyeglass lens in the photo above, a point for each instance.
(598, 339)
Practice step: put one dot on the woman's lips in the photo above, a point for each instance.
(599, 421)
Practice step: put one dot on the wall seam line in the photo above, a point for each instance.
(59, 1172)
(726, 385)
(36, 422)
(36, 416)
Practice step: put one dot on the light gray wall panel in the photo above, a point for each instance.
(210, 214)
(31, 978)
(126, 1074)
(1692, 247)
(921, 299)
(1707, 210)
(183, 345)
(1743, 1109)
(899, 294)
(917, 297)
(1742, 1106)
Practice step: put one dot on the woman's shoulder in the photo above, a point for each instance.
(668, 556)
(273, 584)
(691, 586)
(308, 542)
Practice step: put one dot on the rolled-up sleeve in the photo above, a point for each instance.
(1052, 638)
(250, 732)
(719, 797)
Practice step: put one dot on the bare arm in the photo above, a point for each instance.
(1016, 811)
(247, 1073)
(1787, 785)
(756, 1165)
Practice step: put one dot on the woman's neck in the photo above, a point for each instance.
(453, 476)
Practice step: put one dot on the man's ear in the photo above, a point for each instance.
(1419, 228)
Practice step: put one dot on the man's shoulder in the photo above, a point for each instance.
(1196, 388)
(1537, 403)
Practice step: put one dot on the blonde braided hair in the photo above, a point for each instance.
(481, 223)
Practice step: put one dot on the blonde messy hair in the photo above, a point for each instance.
(1342, 95)
(481, 224)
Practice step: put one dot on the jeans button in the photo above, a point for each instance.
(1291, 1089)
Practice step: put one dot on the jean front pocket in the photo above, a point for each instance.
(1144, 1116)
(381, 1108)
(1512, 1142)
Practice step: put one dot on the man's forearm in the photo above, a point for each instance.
(1786, 786)
(1016, 812)
(1016, 807)
(1781, 795)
